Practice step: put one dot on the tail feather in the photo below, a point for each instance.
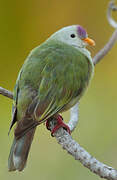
(19, 151)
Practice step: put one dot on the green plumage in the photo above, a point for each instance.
(53, 75)
(52, 79)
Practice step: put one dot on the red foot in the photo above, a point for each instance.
(60, 124)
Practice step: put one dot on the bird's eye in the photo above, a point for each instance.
(73, 35)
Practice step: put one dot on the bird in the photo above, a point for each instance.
(53, 78)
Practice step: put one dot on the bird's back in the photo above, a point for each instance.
(59, 66)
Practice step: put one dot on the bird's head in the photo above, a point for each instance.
(74, 35)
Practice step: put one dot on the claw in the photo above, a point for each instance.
(60, 124)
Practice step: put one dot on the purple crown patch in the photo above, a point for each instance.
(81, 32)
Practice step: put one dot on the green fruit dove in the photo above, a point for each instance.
(53, 78)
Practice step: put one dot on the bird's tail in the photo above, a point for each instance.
(19, 151)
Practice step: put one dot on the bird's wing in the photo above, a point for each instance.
(59, 85)
(14, 106)
(59, 75)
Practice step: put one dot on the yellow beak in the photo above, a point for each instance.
(89, 41)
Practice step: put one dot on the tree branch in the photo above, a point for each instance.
(64, 139)
(6, 93)
(80, 154)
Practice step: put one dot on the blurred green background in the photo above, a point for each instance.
(26, 24)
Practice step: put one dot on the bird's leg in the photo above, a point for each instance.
(59, 124)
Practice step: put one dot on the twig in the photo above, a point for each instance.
(98, 57)
(6, 93)
(111, 7)
(113, 39)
